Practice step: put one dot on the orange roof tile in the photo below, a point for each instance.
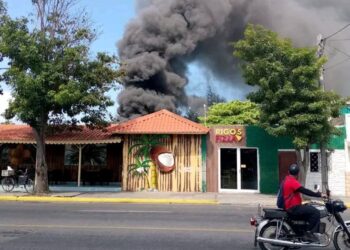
(160, 122)
(24, 134)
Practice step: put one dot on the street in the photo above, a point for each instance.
(25, 225)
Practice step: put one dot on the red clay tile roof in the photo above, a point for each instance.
(24, 134)
(161, 122)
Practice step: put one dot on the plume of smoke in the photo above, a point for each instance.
(167, 35)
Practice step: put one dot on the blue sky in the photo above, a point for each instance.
(108, 16)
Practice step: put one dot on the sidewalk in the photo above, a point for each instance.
(245, 199)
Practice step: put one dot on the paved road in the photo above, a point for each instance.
(124, 226)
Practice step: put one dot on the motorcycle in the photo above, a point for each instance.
(275, 229)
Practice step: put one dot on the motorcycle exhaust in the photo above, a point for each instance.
(289, 243)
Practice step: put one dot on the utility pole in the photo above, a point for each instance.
(321, 43)
(205, 114)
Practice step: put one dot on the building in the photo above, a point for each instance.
(220, 159)
(74, 157)
(247, 159)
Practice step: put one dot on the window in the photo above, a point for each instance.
(92, 155)
(314, 162)
(17, 156)
(71, 155)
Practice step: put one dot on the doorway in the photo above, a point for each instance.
(285, 159)
(238, 169)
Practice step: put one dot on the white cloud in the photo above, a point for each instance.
(4, 100)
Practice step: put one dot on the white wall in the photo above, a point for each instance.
(313, 179)
(336, 175)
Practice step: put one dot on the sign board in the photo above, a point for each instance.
(228, 135)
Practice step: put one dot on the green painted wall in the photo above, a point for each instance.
(337, 142)
(268, 156)
(268, 153)
(345, 110)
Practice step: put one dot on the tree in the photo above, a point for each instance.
(291, 102)
(53, 78)
(231, 113)
(213, 97)
(191, 115)
(3, 12)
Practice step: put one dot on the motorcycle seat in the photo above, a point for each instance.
(271, 213)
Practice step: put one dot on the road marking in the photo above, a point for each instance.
(195, 229)
(123, 211)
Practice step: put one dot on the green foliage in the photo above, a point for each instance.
(143, 146)
(191, 115)
(232, 113)
(52, 75)
(145, 143)
(289, 95)
(140, 168)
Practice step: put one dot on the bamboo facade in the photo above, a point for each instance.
(187, 175)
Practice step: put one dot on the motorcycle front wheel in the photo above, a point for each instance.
(341, 240)
(269, 231)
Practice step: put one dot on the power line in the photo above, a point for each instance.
(338, 63)
(344, 53)
(338, 40)
(335, 65)
(337, 31)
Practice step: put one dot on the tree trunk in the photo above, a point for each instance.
(41, 180)
(324, 168)
(303, 161)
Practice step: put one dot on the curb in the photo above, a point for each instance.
(106, 200)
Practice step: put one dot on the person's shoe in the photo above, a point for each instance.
(310, 237)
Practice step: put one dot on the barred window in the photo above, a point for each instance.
(314, 162)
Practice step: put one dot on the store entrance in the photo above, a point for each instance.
(238, 169)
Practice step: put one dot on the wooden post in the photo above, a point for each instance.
(80, 147)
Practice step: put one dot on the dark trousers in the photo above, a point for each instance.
(307, 213)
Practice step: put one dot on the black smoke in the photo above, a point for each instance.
(167, 35)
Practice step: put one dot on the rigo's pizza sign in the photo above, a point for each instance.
(229, 135)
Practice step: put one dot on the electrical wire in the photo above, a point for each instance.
(338, 63)
(337, 32)
(344, 53)
(338, 40)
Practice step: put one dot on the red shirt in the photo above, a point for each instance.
(291, 198)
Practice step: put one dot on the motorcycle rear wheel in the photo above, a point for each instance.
(340, 240)
(269, 231)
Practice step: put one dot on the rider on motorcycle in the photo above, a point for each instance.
(292, 191)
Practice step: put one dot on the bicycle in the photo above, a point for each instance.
(11, 179)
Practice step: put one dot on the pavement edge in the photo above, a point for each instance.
(107, 200)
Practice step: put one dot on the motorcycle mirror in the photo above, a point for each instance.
(317, 187)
